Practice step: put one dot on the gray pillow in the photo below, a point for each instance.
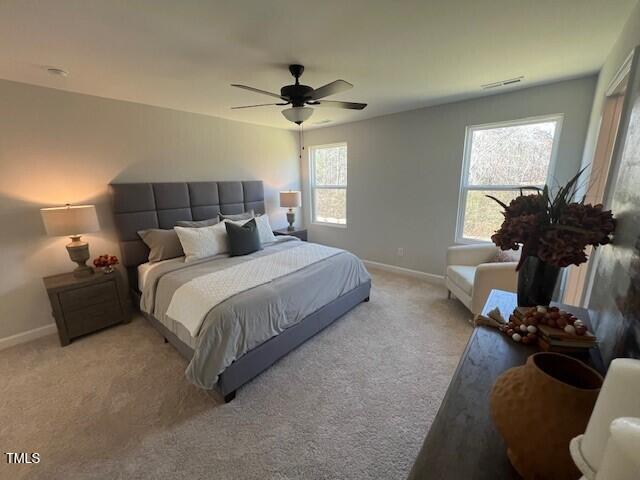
(243, 239)
(197, 223)
(163, 244)
(239, 216)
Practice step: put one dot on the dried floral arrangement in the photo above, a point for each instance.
(555, 228)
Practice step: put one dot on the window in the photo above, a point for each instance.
(329, 183)
(498, 159)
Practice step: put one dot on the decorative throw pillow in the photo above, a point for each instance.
(243, 239)
(163, 244)
(203, 242)
(239, 216)
(264, 228)
(197, 223)
(503, 256)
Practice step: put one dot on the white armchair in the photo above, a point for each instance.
(471, 274)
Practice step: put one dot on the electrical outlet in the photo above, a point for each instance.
(400, 252)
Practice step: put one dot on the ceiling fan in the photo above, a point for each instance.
(299, 95)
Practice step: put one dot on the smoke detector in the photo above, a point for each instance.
(502, 83)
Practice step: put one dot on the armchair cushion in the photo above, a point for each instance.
(489, 276)
(471, 255)
(462, 276)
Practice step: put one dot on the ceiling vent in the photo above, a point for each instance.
(502, 83)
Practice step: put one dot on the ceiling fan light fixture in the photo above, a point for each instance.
(297, 114)
(299, 95)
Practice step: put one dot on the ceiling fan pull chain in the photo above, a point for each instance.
(301, 140)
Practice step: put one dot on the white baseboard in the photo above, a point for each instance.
(27, 336)
(427, 277)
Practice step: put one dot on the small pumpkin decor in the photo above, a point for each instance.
(539, 407)
(553, 231)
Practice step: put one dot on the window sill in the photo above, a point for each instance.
(471, 241)
(327, 224)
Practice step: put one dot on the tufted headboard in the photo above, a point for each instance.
(138, 206)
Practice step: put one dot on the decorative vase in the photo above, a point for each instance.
(539, 407)
(536, 282)
(108, 269)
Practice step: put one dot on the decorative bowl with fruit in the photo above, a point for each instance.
(551, 328)
(106, 263)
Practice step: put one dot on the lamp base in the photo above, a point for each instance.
(79, 253)
(291, 218)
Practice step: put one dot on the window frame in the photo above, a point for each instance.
(312, 185)
(466, 161)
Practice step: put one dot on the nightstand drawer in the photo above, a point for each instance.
(82, 305)
(88, 296)
(90, 319)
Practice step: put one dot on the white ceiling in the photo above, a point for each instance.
(400, 55)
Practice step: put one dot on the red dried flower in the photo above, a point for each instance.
(105, 261)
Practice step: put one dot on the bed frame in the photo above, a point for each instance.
(137, 206)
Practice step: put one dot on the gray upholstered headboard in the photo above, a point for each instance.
(137, 206)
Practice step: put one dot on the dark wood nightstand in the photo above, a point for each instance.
(83, 305)
(301, 233)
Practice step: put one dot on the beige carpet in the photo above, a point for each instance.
(354, 402)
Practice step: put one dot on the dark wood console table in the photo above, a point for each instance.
(462, 442)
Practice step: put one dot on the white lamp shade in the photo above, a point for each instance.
(70, 220)
(291, 199)
(297, 114)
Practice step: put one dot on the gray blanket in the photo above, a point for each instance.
(248, 319)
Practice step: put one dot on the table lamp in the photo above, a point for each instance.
(72, 221)
(290, 200)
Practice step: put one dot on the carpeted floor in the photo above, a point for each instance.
(354, 402)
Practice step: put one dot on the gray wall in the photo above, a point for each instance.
(58, 147)
(404, 170)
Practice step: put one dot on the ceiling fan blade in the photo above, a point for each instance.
(335, 104)
(257, 90)
(330, 89)
(259, 105)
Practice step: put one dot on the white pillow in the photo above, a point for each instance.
(203, 242)
(264, 228)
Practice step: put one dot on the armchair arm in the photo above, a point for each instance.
(489, 276)
(471, 255)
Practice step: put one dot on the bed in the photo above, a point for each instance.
(230, 317)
